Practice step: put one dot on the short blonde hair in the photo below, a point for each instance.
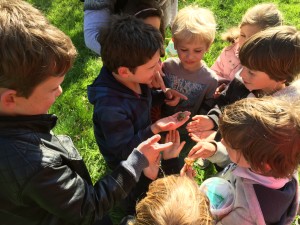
(194, 24)
(173, 200)
(263, 15)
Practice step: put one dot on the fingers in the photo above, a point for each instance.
(195, 137)
(152, 140)
(187, 171)
(196, 117)
(163, 147)
(160, 81)
(182, 96)
(181, 146)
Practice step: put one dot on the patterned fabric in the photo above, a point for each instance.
(228, 63)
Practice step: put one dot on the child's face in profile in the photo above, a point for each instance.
(41, 99)
(144, 74)
(257, 80)
(246, 31)
(190, 53)
(235, 155)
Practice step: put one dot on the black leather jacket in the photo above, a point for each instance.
(43, 179)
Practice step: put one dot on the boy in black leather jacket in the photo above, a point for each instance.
(43, 179)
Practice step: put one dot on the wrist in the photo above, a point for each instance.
(215, 147)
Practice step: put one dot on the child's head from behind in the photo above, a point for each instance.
(35, 52)
(193, 31)
(263, 133)
(275, 52)
(129, 42)
(173, 200)
(257, 18)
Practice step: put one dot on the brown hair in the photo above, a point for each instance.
(275, 51)
(266, 131)
(173, 200)
(34, 49)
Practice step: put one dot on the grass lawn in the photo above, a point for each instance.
(73, 108)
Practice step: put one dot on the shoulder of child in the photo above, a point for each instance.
(171, 62)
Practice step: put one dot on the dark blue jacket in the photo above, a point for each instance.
(121, 117)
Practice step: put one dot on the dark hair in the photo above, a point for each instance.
(129, 42)
(275, 51)
(147, 9)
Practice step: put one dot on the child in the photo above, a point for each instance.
(43, 178)
(120, 94)
(173, 200)
(193, 31)
(97, 14)
(257, 18)
(150, 13)
(262, 138)
(271, 63)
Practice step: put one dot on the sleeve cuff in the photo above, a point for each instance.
(220, 157)
(135, 164)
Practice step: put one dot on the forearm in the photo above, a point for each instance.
(94, 20)
(220, 157)
(99, 4)
(214, 115)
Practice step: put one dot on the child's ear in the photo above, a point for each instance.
(8, 99)
(123, 71)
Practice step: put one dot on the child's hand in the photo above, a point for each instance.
(152, 170)
(173, 152)
(200, 123)
(219, 90)
(203, 150)
(208, 135)
(170, 122)
(151, 148)
(158, 81)
(188, 171)
(173, 97)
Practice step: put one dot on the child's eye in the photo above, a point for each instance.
(243, 35)
(198, 51)
(183, 50)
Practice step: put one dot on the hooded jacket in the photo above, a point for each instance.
(121, 117)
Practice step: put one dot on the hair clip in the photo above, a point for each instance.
(145, 10)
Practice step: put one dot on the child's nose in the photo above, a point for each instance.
(242, 74)
(59, 91)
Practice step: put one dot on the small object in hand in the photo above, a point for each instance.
(189, 161)
(180, 116)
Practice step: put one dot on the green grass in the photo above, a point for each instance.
(73, 108)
